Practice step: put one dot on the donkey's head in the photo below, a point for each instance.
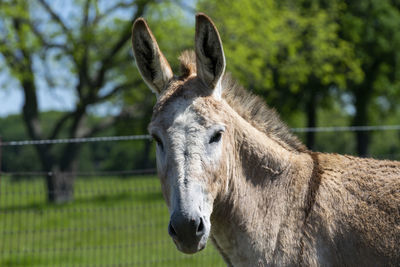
(188, 125)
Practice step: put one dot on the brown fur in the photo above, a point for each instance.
(357, 209)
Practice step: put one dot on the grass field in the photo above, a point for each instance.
(112, 222)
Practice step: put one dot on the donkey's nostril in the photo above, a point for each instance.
(200, 228)
(171, 230)
(186, 228)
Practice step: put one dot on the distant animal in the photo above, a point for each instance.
(231, 171)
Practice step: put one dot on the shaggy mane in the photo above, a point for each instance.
(250, 107)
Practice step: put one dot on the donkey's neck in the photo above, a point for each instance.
(250, 223)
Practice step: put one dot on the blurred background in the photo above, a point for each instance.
(77, 169)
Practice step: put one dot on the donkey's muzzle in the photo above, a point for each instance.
(189, 232)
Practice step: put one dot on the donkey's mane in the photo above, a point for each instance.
(250, 107)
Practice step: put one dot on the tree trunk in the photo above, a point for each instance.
(311, 111)
(64, 178)
(361, 119)
(60, 177)
(146, 154)
(59, 180)
(145, 161)
(60, 187)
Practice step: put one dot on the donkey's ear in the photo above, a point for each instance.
(210, 58)
(152, 64)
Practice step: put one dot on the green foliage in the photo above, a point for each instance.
(279, 48)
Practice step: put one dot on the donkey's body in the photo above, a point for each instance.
(323, 209)
(225, 160)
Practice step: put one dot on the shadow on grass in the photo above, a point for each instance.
(100, 199)
(142, 197)
(31, 260)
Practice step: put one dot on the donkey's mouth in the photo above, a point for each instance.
(190, 248)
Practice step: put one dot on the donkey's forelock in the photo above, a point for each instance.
(187, 64)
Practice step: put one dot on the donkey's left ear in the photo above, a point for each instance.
(151, 62)
(210, 58)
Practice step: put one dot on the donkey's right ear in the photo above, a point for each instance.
(152, 64)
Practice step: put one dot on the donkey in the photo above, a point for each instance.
(231, 171)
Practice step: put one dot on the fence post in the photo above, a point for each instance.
(0, 159)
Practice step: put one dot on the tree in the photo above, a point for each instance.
(373, 28)
(290, 52)
(89, 49)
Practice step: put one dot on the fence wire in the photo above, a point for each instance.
(148, 137)
(82, 174)
(347, 128)
(76, 140)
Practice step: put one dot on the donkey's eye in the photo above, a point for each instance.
(216, 137)
(158, 141)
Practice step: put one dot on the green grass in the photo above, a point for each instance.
(111, 222)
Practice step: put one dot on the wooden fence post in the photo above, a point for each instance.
(0, 159)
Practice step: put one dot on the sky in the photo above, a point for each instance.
(12, 100)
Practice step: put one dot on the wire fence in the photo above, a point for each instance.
(116, 218)
(148, 137)
(112, 221)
